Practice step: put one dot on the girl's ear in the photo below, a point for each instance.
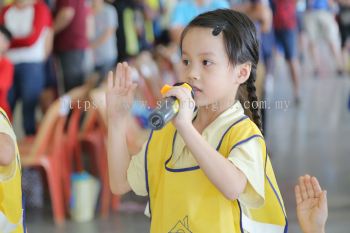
(243, 72)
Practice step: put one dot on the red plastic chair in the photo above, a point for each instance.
(93, 137)
(48, 149)
(72, 157)
(92, 140)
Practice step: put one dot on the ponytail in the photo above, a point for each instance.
(254, 110)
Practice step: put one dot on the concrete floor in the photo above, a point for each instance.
(312, 138)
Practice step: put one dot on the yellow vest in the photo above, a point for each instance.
(184, 200)
(11, 211)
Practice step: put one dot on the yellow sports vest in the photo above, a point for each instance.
(184, 200)
(11, 211)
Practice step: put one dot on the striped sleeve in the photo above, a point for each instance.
(42, 19)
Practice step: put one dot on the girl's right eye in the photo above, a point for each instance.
(185, 62)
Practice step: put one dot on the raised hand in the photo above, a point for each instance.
(312, 210)
(120, 92)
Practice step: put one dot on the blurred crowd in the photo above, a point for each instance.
(49, 47)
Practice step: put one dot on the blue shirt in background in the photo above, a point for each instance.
(318, 4)
(186, 10)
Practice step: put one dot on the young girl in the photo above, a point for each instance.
(208, 171)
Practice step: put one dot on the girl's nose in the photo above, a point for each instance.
(193, 74)
(194, 77)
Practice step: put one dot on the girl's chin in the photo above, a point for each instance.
(201, 103)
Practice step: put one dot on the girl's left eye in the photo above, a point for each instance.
(185, 62)
(207, 62)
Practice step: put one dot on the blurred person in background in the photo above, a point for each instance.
(29, 21)
(50, 92)
(130, 31)
(153, 10)
(120, 6)
(301, 8)
(104, 40)
(6, 70)
(144, 16)
(71, 40)
(344, 27)
(285, 26)
(320, 24)
(167, 7)
(257, 10)
(186, 10)
(311, 202)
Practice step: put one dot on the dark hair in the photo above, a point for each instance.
(6, 32)
(241, 46)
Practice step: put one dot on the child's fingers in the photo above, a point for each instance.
(187, 92)
(309, 187)
(176, 93)
(118, 75)
(304, 193)
(123, 78)
(323, 200)
(110, 80)
(298, 197)
(128, 77)
(316, 186)
(180, 92)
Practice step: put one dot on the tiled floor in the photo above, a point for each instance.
(312, 138)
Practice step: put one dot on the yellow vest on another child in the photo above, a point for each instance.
(11, 211)
(184, 200)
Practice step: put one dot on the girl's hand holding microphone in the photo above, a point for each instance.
(186, 106)
(120, 93)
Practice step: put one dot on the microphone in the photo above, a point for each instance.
(167, 108)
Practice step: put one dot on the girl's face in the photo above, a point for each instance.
(205, 65)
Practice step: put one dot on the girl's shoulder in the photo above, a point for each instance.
(244, 130)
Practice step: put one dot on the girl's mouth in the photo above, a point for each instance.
(196, 89)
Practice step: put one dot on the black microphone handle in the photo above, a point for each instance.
(164, 112)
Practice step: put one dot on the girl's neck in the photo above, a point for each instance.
(207, 114)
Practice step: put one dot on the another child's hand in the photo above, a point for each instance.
(312, 210)
(187, 105)
(120, 92)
